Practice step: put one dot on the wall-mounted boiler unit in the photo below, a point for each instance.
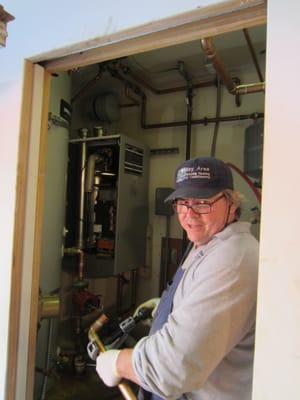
(107, 204)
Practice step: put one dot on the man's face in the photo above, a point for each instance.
(200, 228)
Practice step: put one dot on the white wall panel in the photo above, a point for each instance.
(277, 362)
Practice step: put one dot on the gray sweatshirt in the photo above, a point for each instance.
(205, 350)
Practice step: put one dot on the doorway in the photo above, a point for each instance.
(163, 66)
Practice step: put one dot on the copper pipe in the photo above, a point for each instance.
(95, 327)
(74, 251)
(123, 386)
(253, 55)
(211, 54)
(126, 391)
(210, 51)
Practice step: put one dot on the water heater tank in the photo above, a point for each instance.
(105, 107)
(253, 149)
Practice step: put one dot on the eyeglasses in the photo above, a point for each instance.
(202, 207)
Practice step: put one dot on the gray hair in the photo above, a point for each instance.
(235, 198)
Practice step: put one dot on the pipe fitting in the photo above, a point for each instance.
(73, 251)
(234, 89)
(49, 306)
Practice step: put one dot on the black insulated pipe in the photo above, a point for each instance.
(217, 123)
(189, 99)
(189, 105)
(205, 121)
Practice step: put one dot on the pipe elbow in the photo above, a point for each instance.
(208, 47)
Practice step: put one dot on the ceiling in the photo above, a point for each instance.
(159, 68)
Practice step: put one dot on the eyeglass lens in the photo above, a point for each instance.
(181, 207)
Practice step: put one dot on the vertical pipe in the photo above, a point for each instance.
(253, 55)
(48, 358)
(210, 52)
(82, 191)
(189, 99)
(217, 123)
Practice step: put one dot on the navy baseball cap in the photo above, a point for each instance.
(201, 178)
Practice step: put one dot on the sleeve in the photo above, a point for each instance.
(216, 310)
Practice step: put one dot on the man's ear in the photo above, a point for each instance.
(232, 209)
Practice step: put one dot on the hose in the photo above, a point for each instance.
(249, 182)
(217, 123)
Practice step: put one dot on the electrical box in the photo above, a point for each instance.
(162, 208)
(107, 204)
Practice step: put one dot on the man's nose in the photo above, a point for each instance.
(191, 212)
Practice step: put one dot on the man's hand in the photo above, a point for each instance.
(106, 367)
(152, 303)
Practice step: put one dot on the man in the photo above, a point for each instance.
(202, 338)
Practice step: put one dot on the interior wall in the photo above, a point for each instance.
(53, 221)
(169, 108)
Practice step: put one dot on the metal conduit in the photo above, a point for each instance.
(253, 55)
(137, 90)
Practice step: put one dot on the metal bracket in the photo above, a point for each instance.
(55, 120)
(93, 350)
